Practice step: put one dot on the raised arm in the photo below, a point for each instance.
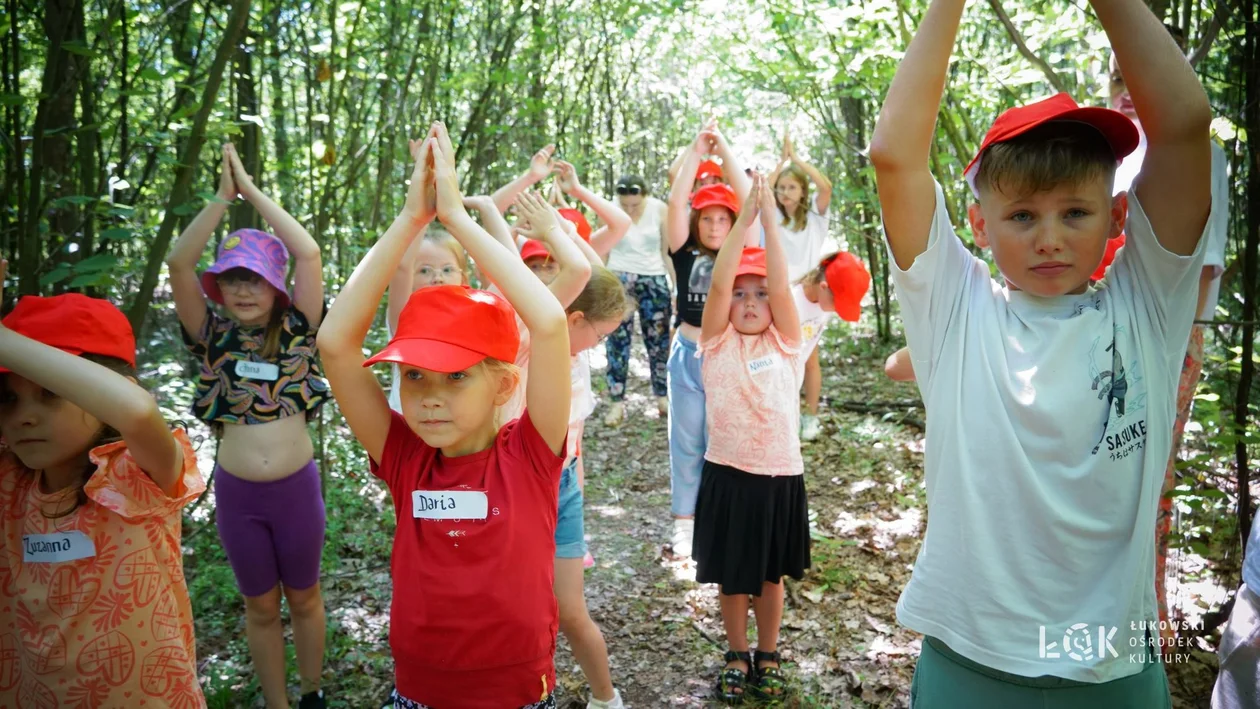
(782, 306)
(732, 169)
(823, 200)
(539, 167)
(544, 223)
(492, 220)
(340, 338)
(616, 221)
(308, 269)
(676, 166)
(902, 141)
(899, 367)
(678, 216)
(717, 306)
(1175, 183)
(117, 401)
(402, 285)
(547, 393)
(181, 262)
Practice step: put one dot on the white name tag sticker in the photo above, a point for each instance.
(762, 364)
(449, 504)
(263, 371)
(59, 546)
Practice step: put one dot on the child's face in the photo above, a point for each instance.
(708, 180)
(247, 297)
(813, 291)
(1049, 242)
(545, 268)
(585, 334)
(436, 266)
(447, 408)
(788, 191)
(750, 305)
(715, 223)
(826, 299)
(45, 431)
(1120, 100)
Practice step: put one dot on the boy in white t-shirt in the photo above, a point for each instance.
(1050, 402)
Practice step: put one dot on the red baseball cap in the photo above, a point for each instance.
(1115, 127)
(720, 195)
(848, 280)
(1113, 245)
(583, 226)
(708, 168)
(75, 323)
(752, 262)
(451, 328)
(533, 248)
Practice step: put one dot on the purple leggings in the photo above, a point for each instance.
(273, 532)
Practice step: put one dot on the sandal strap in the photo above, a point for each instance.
(732, 655)
(767, 656)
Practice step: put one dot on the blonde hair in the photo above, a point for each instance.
(439, 236)
(1057, 153)
(603, 298)
(800, 215)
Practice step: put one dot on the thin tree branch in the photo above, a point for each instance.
(1037, 61)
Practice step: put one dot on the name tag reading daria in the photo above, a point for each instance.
(59, 546)
(449, 504)
(263, 371)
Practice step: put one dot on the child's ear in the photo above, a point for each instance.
(573, 317)
(507, 385)
(1119, 214)
(976, 217)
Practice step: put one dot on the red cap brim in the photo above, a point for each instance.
(433, 355)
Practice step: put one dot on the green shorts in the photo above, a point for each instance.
(943, 679)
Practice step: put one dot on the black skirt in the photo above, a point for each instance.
(750, 529)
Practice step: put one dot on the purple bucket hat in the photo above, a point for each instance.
(256, 251)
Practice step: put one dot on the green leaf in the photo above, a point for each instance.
(59, 273)
(78, 48)
(10, 100)
(87, 279)
(151, 74)
(118, 233)
(185, 112)
(75, 199)
(212, 197)
(185, 209)
(99, 262)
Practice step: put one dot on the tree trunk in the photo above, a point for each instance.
(1251, 117)
(243, 215)
(182, 189)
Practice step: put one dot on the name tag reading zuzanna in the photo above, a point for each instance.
(59, 546)
(262, 371)
(449, 504)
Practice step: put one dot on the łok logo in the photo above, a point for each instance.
(1078, 643)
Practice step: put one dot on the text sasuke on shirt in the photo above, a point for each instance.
(1049, 427)
(94, 610)
(473, 618)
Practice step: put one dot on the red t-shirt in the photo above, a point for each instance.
(1109, 255)
(473, 620)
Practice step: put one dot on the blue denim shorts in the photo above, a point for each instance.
(570, 531)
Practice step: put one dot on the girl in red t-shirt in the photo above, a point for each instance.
(473, 618)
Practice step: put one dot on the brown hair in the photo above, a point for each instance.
(105, 436)
(1057, 153)
(800, 215)
(603, 298)
(271, 341)
(438, 235)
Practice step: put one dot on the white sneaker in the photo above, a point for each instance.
(614, 703)
(684, 530)
(616, 412)
(662, 406)
(810, 427)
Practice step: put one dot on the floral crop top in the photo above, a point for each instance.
(236, 385)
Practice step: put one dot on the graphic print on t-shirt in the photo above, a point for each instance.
(701, 279)
(1124, 427)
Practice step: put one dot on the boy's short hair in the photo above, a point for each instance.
(1052, 154)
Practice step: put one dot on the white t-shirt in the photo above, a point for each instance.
(1049, 428)
(803, 247)
(1218, 224)
(813, 321)
(639, 251)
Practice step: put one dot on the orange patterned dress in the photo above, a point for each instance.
(94, 610)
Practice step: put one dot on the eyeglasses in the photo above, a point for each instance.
(629, 189)
(599, 339)
(446, 274)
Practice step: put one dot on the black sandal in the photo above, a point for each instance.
(771, 682)
(732, 681)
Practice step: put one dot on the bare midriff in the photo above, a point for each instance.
(263, 452)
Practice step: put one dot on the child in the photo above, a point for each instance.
(1238, 684)
(695, 232)
(804, 229)
(638, 259)
(258, 386)
(1051, 401)
(835, 286)
(752, 521)
(473, 616)
(92, 484)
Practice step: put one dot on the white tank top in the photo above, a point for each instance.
(639, 251)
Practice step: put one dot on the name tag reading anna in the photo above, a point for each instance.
(263, 371)
(762, 364)
(59, 546)
(449, 504)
